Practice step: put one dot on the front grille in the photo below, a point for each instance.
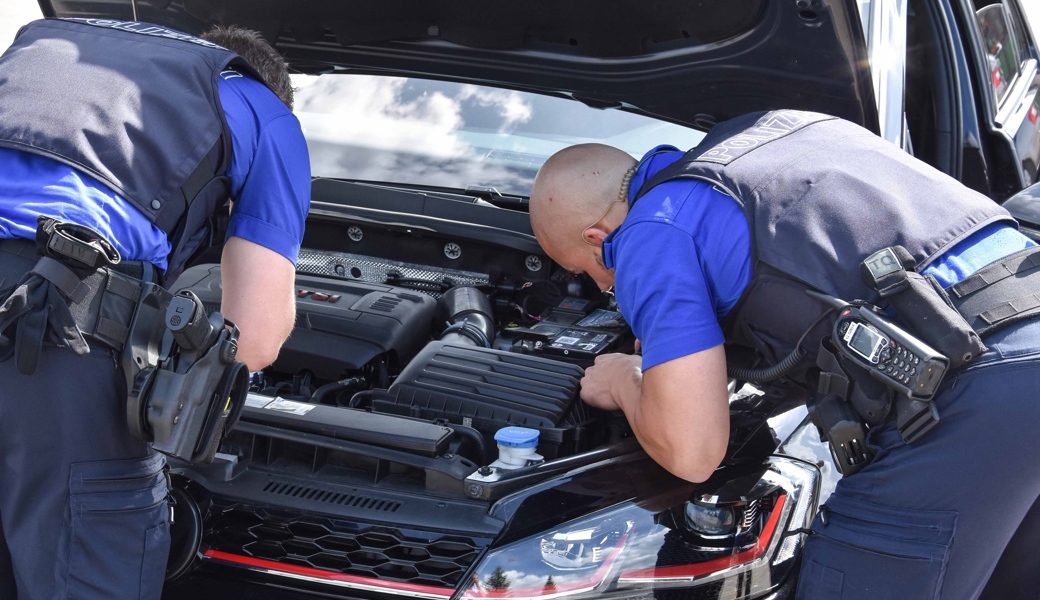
(341, 546)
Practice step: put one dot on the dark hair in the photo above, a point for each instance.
(260, 55)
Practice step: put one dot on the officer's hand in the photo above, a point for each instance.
(611, 380)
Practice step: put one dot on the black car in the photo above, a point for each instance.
(420, 434)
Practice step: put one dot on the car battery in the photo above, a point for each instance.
(575, 342)
(574, 330)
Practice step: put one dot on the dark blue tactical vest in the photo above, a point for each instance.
(131, 104)
(820, 195)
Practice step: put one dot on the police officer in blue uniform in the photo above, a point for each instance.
(140, 134)
(694, 270)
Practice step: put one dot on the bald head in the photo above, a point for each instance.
(574, 189)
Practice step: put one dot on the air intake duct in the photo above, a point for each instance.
(467, 313)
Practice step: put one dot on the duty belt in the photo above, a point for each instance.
(98, 306)
(1002, 293)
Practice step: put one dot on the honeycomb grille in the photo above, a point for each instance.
(341, 546)
(372, 270)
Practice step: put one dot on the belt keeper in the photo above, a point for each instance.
(62, 277)
(914, 418)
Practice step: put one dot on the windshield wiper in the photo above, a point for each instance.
(492, 195)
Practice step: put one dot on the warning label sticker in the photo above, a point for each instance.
(602, 318)
(289, 406)
(254, 401)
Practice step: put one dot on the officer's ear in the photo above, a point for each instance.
(594, 234)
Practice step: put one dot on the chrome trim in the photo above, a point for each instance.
(884, 25)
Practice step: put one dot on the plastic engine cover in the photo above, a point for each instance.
(341, 325)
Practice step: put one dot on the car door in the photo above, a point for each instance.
(1003, 56)
(971, 92)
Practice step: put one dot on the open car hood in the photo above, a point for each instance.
(692, 62)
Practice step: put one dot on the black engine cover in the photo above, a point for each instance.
(341, 325)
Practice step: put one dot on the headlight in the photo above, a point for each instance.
(743, 548)
(710, 520)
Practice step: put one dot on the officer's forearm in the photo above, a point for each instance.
(681, 414)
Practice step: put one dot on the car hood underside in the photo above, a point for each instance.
(693, 63)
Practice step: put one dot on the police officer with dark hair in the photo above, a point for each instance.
(119, 141)
(725, 245)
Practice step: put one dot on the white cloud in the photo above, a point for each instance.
(362, 107)
(512, 106)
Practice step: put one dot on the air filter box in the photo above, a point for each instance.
(489, 389)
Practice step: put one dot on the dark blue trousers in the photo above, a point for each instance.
(930, 520)
(83, 509)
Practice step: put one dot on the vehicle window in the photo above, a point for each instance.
(1004, 50)
(452, 135)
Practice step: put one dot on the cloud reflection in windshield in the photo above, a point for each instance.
(443, 134)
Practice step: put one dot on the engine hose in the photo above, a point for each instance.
(351, 383)
(475, 438)
(358, 398)
(767, 374)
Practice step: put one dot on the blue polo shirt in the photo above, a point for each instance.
(269, 174)
(682, 258)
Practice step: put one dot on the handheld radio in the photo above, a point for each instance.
(894, 356)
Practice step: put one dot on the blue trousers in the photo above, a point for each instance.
(931, 519)
(83, 508)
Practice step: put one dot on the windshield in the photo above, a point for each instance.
(441, 134)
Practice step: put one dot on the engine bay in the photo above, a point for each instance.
(431, 382)
(400, 373)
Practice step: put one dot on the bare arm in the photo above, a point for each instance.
(258, 297)
(677, 409)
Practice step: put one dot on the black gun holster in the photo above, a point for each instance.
(838, 409)
(185, 400)
(849, 402)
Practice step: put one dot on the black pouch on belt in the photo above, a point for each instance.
(921, 304)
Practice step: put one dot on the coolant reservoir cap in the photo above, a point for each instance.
(517, 437)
